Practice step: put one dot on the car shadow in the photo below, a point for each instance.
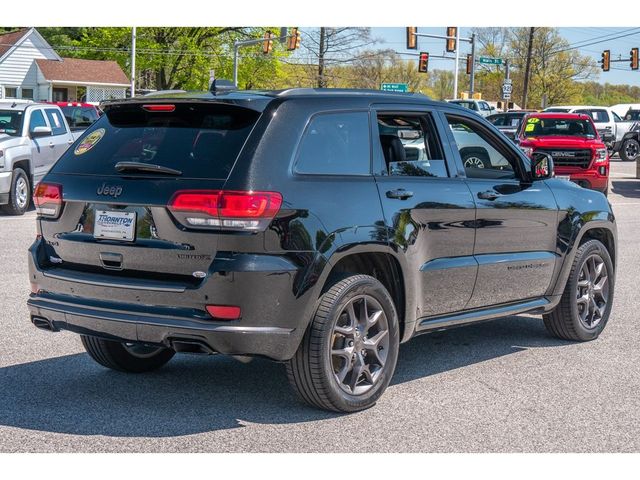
(626, 188)
(73, 395)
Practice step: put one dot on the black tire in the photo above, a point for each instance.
(564, 321)
(121, 357)
(630, 150)
(19, 199)
(312, 372)
(475, 155)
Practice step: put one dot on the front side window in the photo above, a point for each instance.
(480, 158)
(37, 120)
(410, 145)
(336, 144)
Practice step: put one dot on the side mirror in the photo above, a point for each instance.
(541, 166)
(41, 131)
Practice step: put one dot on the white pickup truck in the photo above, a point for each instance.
(32, 137)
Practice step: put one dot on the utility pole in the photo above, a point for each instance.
(455, 78)
(527, 69)
(133, 62)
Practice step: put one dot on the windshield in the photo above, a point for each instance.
(199, 140)
(566, 127)
(11, 122)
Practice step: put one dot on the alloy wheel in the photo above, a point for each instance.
(592, 293)
(359, 345)
(473, 162)
(631, 149)
(22, 192)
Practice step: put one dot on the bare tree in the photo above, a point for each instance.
(327, 47)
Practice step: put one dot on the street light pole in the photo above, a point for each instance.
(455, 79)
(472, 76)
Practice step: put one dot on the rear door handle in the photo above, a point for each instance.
(400, 193)
(488, 195)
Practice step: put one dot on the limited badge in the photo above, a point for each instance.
(89, 141)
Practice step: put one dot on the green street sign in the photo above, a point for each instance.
(394, 87)
(491, 61)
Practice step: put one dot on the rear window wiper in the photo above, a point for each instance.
(145, 167)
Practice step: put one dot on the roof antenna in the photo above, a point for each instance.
(221, 85)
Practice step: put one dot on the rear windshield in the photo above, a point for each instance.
(11, 122)
(598, 116)
(543, 127)
(80, 117)
(200, 140)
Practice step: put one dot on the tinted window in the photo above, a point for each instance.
(632, 115)
(479, 156)
(336, 144)
(545, 127)
(80, 117)
(11, 122)
(202, 141)
(497, 120)
(599, 116)
(56, 122)
(37, 120)
(411, 146)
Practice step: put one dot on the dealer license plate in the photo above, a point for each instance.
(114, 225)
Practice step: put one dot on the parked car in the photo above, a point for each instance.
(509, 122)
(611, 127)
(32, 137)
(291, 225)
(481, 107)
(79, 115)
(578, 152)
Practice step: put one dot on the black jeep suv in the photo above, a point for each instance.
(320, 228)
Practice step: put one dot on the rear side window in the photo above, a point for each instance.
(56, 122)
(200, 140)
(497, 120)
(336, 144)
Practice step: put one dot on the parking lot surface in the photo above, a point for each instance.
(500, 386)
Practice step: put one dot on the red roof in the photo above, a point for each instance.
(83, 71)
(8, 40)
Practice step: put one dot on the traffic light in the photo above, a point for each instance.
(293, 42)
(451, 42)
(412, 39)
(423, 62)
(606, 60)
(469, 64)
(267, 44)
(634, 59)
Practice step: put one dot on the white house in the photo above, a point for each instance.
(31, 69)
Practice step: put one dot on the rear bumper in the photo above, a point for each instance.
(127, 326)
(273, 320)
(591, 178)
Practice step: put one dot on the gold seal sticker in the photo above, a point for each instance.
(89, 141)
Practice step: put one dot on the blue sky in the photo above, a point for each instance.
(395, 38)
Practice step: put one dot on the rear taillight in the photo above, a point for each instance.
(48, 199)
(225, 210)
(159, 108)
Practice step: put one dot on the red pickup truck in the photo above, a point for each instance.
(574, 144)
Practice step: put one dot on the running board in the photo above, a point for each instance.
(437, 323)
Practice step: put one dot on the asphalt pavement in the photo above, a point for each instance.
(500, 386)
